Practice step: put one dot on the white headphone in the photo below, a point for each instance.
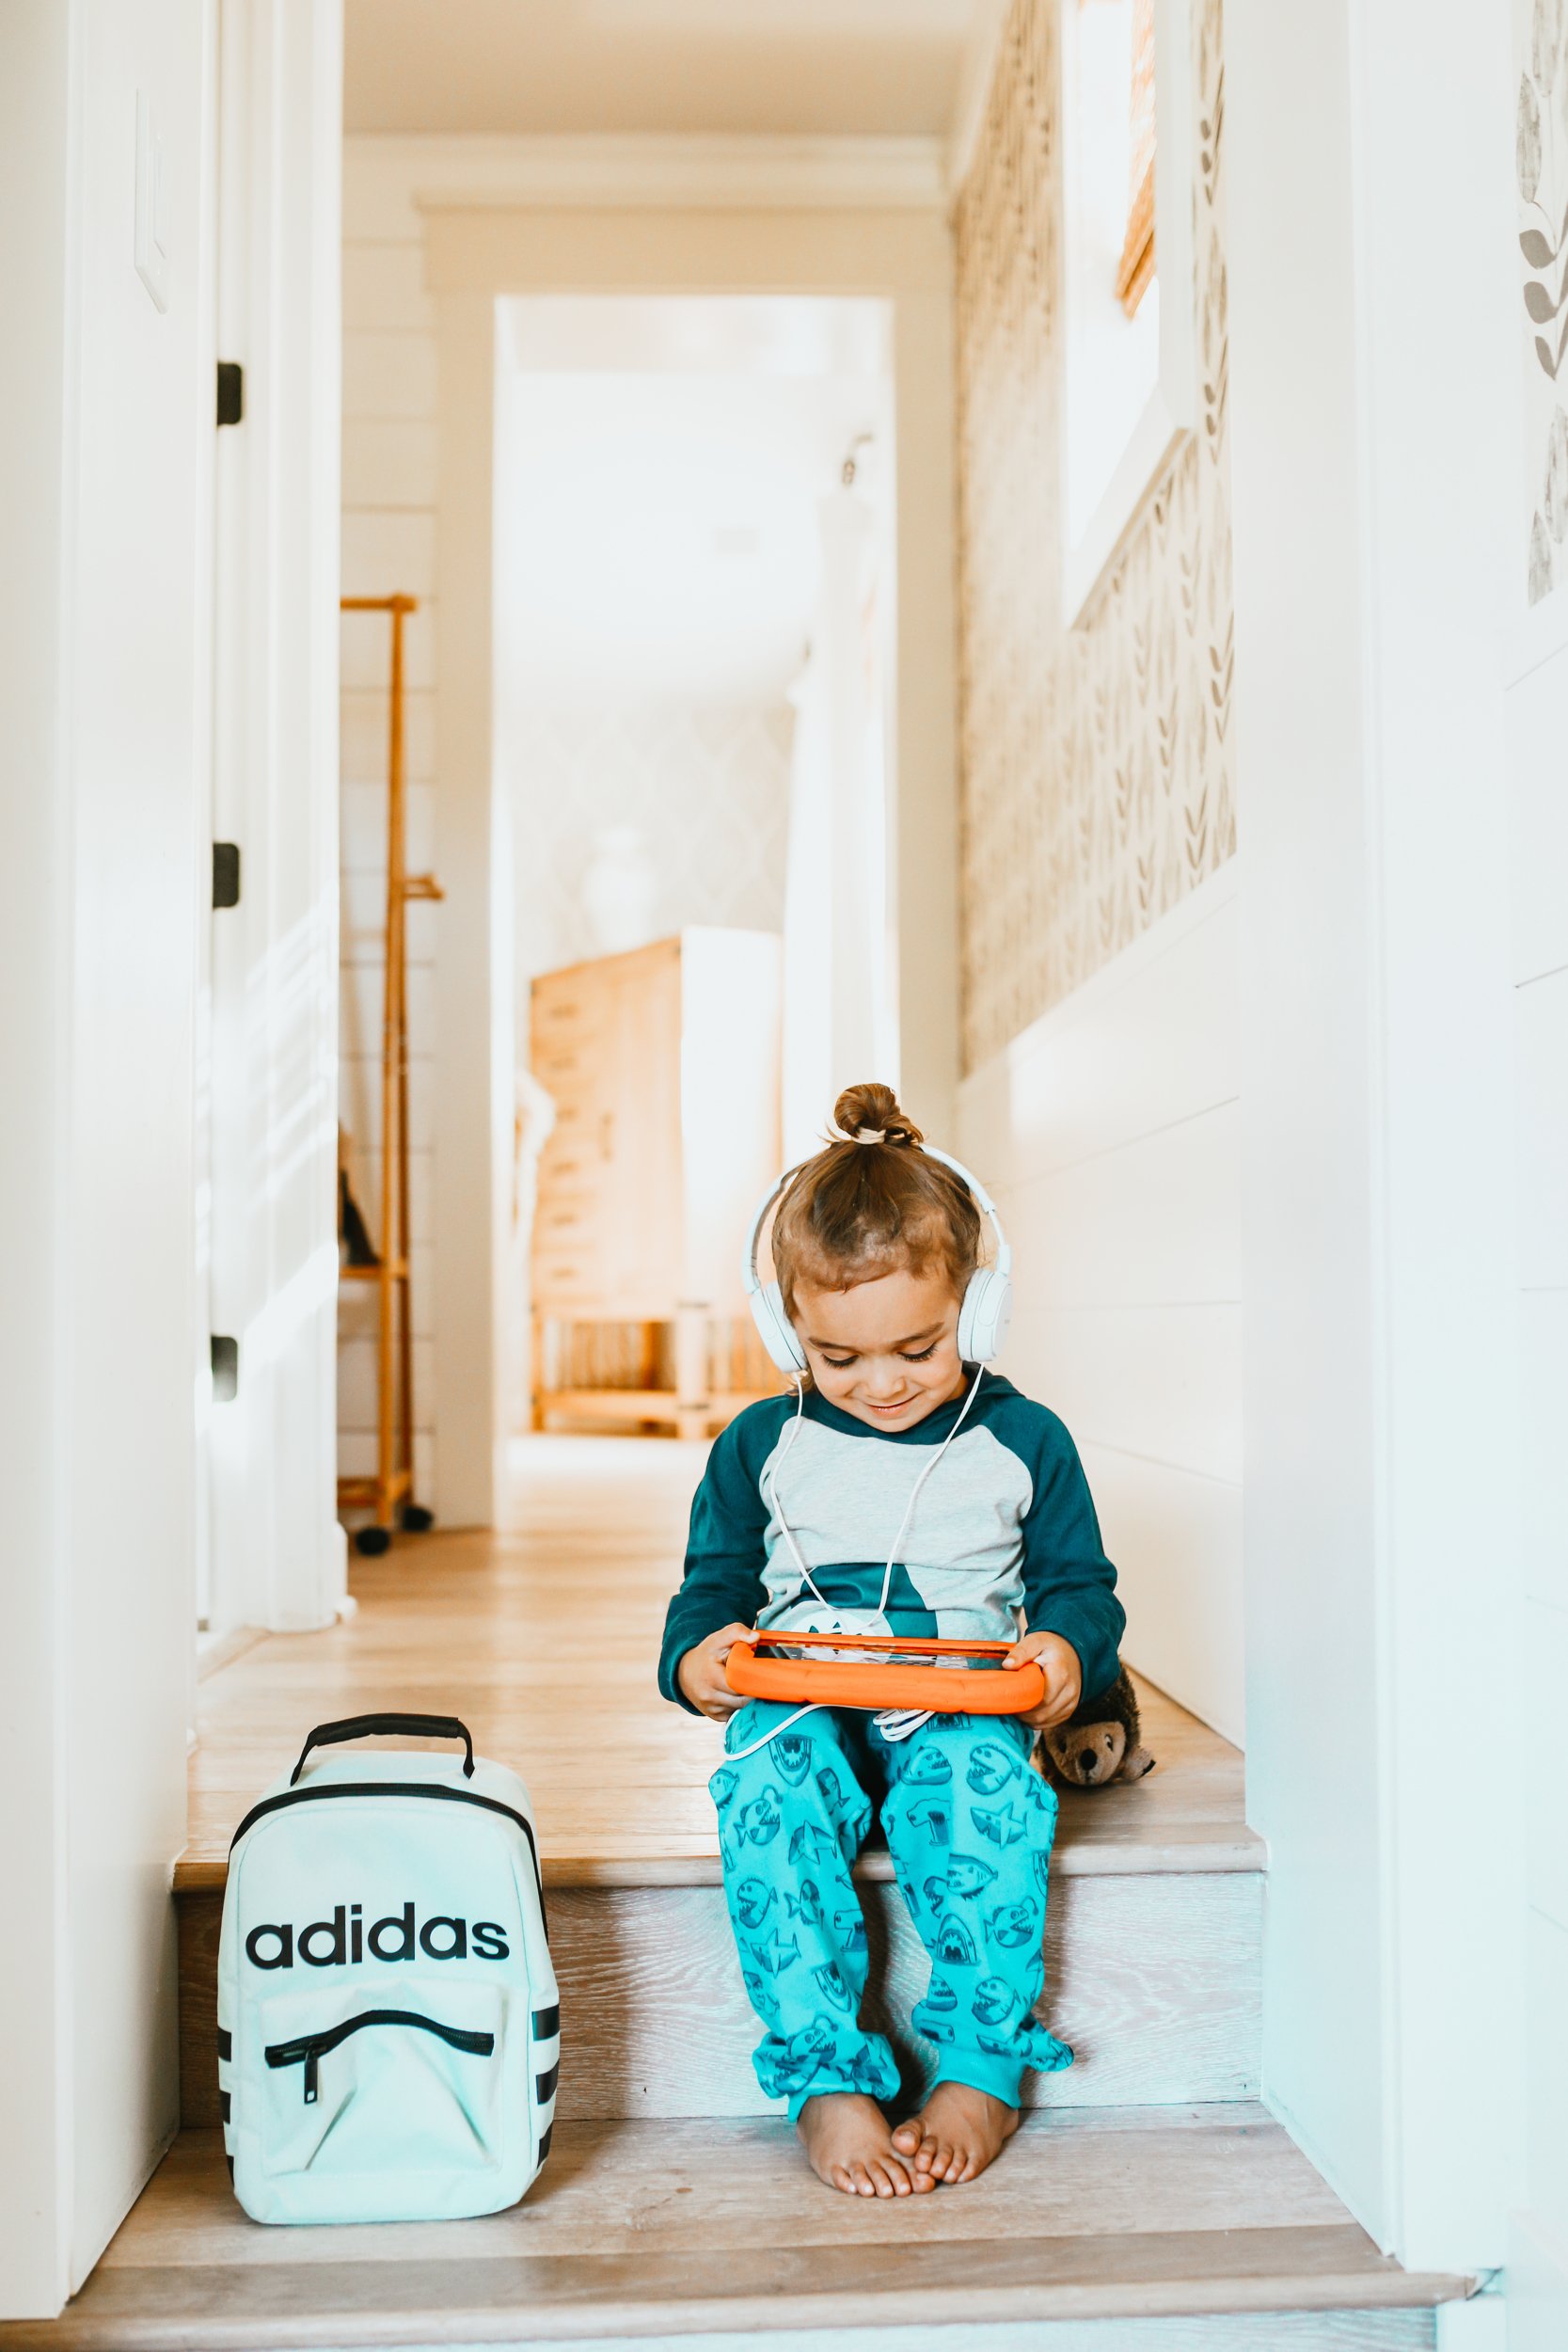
(983, 1318)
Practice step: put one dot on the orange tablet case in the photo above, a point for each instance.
(881, 1680)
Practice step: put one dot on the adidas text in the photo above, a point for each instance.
(344, 1940)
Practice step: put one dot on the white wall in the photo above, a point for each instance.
(1374, 533)
(35, 120)
(105, 449)
(1537, 727)
(1109, 1132)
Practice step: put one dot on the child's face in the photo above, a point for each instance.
(887, 1351)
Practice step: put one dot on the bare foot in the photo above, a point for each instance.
(850, 2147)
(956, 2135)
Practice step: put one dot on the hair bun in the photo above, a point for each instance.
(875, 1108)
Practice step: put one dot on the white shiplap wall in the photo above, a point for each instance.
(388, 524)
(1110, 1133)
(1537, 715)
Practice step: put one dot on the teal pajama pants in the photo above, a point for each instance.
(969, 1826)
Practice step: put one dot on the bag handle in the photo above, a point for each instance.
(366, 1726)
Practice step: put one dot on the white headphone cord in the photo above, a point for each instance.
(893, 1723)
(915, 1497)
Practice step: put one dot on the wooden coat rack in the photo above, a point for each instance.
(388, 1494)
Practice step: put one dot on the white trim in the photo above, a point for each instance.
(976, 73)
(471, 259)
(214, 1651)
(1171, 410)
(277, 1551)
(642, 168)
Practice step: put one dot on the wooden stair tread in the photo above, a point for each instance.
(498, 1626)
(1182, 1847)
(652, 2228)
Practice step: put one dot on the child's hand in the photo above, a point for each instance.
(1064, 1677)
(701, 1673)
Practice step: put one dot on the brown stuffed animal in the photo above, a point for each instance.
(1099, 1742)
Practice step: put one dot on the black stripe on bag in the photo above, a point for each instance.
(547, 2022)
(544, 2143)
(545, 2084)
(224, 2105)
(225, 2045)
(229, 2162)
(420, 1788)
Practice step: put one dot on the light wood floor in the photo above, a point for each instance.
(545, 1638)
(652, 2228)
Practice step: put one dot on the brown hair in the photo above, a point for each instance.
(871, 1203)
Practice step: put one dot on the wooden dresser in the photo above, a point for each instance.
(663, 1067)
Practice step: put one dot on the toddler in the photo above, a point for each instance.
(900, 1489)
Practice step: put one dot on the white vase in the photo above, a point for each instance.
(618, 891)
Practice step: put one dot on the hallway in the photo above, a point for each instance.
(1018, 548)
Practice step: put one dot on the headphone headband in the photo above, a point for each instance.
(983, 1201)
(987, 1301)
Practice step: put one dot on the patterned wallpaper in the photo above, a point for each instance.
(1098, 778)
(1541, 166)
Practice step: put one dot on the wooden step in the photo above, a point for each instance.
(1154, 1981)
(664, 2233)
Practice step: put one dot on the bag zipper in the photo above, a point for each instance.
(311, 2047)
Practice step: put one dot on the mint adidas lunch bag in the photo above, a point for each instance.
(389, 2030)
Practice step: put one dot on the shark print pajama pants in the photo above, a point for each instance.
(969, 1826)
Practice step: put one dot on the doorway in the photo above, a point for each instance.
(694, 651)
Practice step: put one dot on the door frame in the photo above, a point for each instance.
(278, 1555)
(637, 239)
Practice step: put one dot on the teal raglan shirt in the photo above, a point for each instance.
(1004, 1527)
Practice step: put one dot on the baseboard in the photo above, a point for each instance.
(1535, 2287)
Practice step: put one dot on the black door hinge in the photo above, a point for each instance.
(231, 392)
(225, 873)
(226, 1368)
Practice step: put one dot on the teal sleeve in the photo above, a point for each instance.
(1069, 1587)
(725, 1553)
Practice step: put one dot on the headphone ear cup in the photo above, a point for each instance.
(983, 1318)
(776, 1331)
